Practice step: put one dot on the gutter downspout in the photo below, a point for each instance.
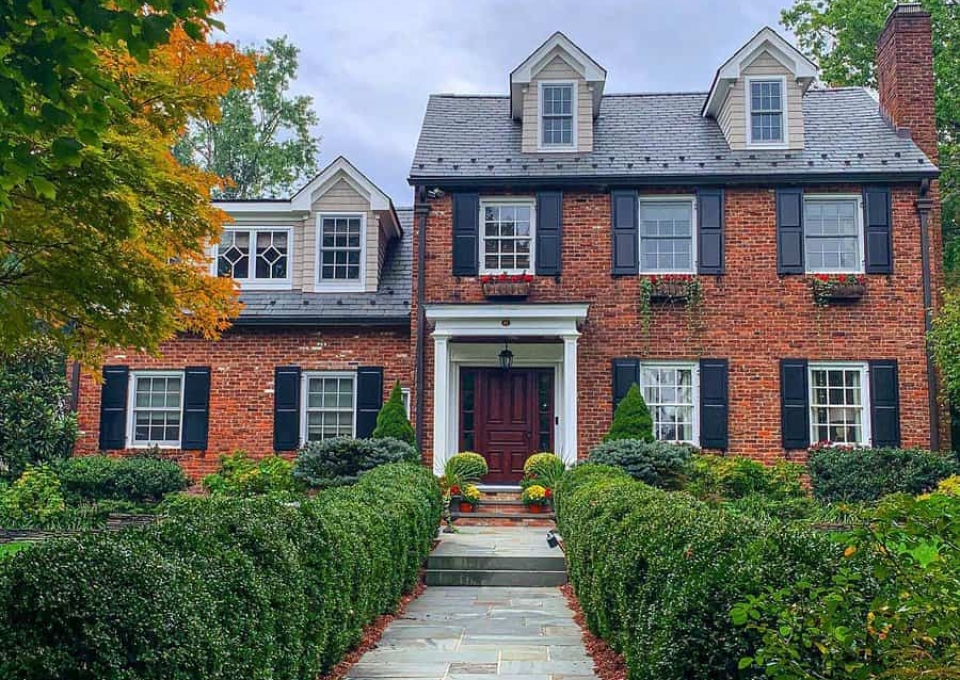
(421, 208)
(924, 206)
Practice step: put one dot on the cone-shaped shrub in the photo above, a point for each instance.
(392, 420)
(632, 419)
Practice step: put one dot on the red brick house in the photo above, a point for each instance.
(679, 241)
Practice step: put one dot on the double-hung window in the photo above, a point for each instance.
(507, 243)
(833, 234)
(670, 391)
(557, 107)
(155, 409)
(341, 249)
(766, 123)
(258, 257)
(838, 403)
(329, 401)
(667, 233)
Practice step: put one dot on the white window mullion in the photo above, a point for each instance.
(155, 409)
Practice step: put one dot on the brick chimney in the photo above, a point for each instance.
(905, 75)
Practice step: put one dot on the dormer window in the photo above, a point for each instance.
(257, 258)
(341, 249)
(766, 111)
(557, 107)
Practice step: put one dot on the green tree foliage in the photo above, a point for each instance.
(262, 145)
(632, 419)
(392, 420)
(36, 425)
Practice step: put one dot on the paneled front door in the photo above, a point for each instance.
(506, 415)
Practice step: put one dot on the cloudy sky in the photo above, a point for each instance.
(370, 64)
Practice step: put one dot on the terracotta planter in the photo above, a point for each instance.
(669, 291)
(466, 507)
(506, 289)
(840, 292)
(536, 508)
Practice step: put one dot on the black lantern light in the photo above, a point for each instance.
(506, 357)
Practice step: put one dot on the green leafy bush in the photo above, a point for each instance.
(33, 501)
(890, 610)
(658, 572)
(392, 420)
(223, 588)
(661, 464)
(861, 474)
(712, 477)
(241, 475)
(632, 418)
(36, 425)
(139, 479)
(544, 469)
(342, 460)
(465, 467)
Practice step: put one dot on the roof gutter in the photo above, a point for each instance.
(924, 206)
(610, 181)
(314, 321)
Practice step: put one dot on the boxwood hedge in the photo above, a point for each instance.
(221, 588)
(657, 573)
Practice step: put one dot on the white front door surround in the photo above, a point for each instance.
(495, 321)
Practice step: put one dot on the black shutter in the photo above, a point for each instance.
(714, 403)
(626, 372)
(369, 399)
(196, 408)
(113, 407)
(626, 233)
(286, 408)
(789, 231)
(466, 230)
(884, 403)
(710, 231)
(549, 230)
(794, 403)
(877, 230)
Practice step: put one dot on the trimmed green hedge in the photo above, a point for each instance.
(839, 473)
(222, 588)
(657, 573)
(140, 478)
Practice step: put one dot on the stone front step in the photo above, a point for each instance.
(477, 520)
(500, 578)
(488, 556)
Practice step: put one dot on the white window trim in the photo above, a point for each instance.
(563, 148)
(304, 388)
(405, 395)
(694, 368)
(861, 236)
(502, 201)
(335, 285)
(864, 369)
(748, 107)
(131, 403)
(252, 282)
(663, 198)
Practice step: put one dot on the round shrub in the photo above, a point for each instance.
(464, 467)
(544, 469)
(342, 460)
(241, 475)
(34, 500)
(140, 478)
(660, 464)
(863, 474)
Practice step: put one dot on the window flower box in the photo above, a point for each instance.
(829, 288)
(516, 286)
(670, 287)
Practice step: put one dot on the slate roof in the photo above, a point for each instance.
(663, 137)
(388, 306)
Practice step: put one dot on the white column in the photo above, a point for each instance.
(441, 401)
(569, 418)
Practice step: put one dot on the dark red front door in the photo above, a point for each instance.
(506, 415)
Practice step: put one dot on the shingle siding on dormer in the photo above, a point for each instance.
(733, 114)
(557, 69)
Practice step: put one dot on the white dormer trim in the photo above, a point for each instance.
(340, 168)
(766, 40)
(557, 45)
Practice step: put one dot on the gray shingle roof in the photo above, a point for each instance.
(660, 137)
(389, 305)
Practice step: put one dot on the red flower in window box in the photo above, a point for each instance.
(506, 285)
(829, 288)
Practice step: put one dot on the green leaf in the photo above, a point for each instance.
(43, 188)
(745, 662)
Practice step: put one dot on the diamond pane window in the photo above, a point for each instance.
(271, 255)
(156, 413)
(666, 236)
(669, 393)
(340, 248)
(837, 404)
(766, 111)
(329, 406)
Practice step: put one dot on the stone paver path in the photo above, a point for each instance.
(480, 633)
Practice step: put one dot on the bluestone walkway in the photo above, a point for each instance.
(482, 632)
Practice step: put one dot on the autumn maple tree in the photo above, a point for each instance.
(104, 236)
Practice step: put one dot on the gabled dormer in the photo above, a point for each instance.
(757, 94)
(332, 235)
(555, 94)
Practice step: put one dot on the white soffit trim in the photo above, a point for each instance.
(506, 320)
(557, 45)
(766, 40)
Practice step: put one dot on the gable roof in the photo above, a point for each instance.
(662, 138)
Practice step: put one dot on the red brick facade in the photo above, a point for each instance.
(242, 379)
